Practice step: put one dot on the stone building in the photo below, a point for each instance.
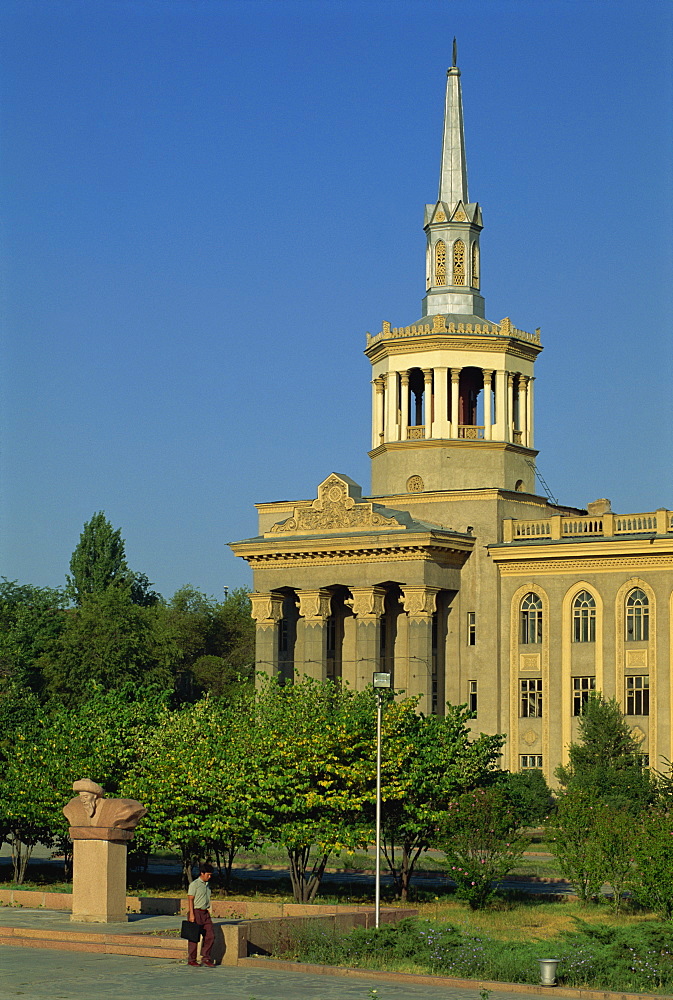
(454, 574)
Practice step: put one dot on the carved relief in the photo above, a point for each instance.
(530, 737)
(530, 661)
(419, 601)
(415, 484)
(367, 602)
(636, 658)
(314, 604)
(458, 263)
(266, 608)
(334, 508)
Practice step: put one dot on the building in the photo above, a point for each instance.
(454, 575)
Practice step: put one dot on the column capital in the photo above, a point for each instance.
(488, 374)
(420, 602)
(379, 383)
(455, 374)
(367, 602)
(404, 376)
(315, 605)
(267, 609)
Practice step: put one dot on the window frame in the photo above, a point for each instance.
(530, 698)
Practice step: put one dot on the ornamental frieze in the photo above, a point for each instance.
(334, 509)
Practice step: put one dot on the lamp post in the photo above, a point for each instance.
(381, 683)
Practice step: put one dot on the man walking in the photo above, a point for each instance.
(198, 902)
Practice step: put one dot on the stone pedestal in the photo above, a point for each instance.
(99, 875)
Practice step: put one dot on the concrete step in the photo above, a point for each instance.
(139, 945)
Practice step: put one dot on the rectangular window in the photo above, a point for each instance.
(531, 698)
(529, 761)
(582, 686)
(638, 695)
(283, 635)
(472, 628)
(472, 696)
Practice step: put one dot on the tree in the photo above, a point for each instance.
(653, 852)
(426, 764)
(606, 763)
(109, 641)
(30, 618)
(480, 839)
(312, 762)
(572, 830)
(99, 561)
(527, 794)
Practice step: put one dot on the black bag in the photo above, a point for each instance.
(190, 931)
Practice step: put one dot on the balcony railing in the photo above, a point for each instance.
(609, 525)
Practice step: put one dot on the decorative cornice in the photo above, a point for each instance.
(260, 554)
(617, 563)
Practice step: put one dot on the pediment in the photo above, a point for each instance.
(337, 507)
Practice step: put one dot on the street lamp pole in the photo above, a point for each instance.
(381, 682)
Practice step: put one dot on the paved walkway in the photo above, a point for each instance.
(33, 974)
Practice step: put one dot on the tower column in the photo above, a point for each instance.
(500, 426)
(510, 407)
(267, 610)
(440, 425)
(419, 604)
(314, 610)
(391, 431)
(531, 414)
(367, 606)
(455, 393)
(427, 394)
(404, 430)
(377, 412)
(488, 409)
(523, 409)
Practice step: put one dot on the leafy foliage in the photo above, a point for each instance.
(480, 839)
(527, 794)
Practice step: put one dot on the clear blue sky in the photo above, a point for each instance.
(206, 205)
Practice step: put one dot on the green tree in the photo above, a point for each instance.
(527, 794)
(572, 830)
(30, 618)
(99, 561)
(312, 761)
(479, 836)
(109, 641)
(653, 853)
(606, 762)
(426, 764)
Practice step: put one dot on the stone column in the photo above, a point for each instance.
(510, 407)
(314, 610)
(488, 409)
(391, 431)
(367, 605)
(404, 376)
(455, 392)
(440, 425)
(377, 412)
(419, 604)
(427, 400)
(267, 610)
(523, 409)
(531, 414)
(500, 426)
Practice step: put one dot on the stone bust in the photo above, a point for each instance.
(91, 808)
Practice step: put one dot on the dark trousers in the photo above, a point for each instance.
(202, 918)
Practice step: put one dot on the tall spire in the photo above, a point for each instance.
(453, 171)
(453, 223)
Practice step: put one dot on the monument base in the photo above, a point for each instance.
(99, 881)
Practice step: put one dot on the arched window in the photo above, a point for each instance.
(440, 262)
(637, 616)
(584, 618)
(531, 619)
(458, 263)
(475, 265)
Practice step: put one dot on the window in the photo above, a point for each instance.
(283, 635)
(637, 617)
(531, 619)
(531, 698)
(458, 263)
(529, 761)
(584, 618)
(472, 696)
(472, 628)
(440, 262)
(638, 695)
(582, 687)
